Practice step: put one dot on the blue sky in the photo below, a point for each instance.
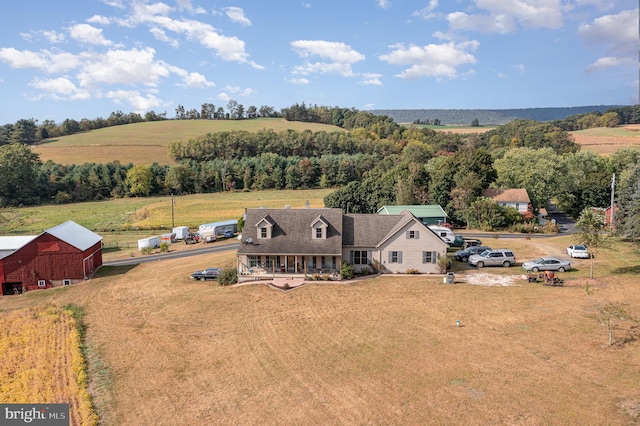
(86, 58)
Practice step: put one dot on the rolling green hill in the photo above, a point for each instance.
(144, 143)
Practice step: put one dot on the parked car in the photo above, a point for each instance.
(497, 257)
(228, 234)
(547, 264)
(206, 274)
(578, 250)
(463, 255)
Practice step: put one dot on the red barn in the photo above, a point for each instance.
(61, 255)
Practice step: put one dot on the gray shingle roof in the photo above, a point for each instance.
(367, 230)
(292, 232)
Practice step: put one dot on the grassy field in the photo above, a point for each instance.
(152, 213)
(145, 143)
(379, 351)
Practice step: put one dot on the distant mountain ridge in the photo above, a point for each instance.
(488, 116)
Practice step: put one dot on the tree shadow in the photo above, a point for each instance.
(110, 271)
(635, 269)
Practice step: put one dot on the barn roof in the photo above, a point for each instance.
(9, 245)
(74, 234)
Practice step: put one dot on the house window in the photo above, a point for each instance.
(42, 284)
(429, 256)
(360, 257)
(263, 232)
(66, 282)
(395, 257)
(412, 235)
(254, 261)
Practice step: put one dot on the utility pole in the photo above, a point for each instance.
(173, 222)
(611, 212)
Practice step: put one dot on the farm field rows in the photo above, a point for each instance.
(384, 350)
(42, 361)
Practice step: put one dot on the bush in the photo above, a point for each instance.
(412, 271)
(346, 271)
(146, 250)
(443, 263)
(164, 247)
(376, 266)
(228, 276)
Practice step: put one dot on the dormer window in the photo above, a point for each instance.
(319, 229)
(265, 229)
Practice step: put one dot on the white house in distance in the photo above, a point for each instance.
(518, 198)
(316, 241)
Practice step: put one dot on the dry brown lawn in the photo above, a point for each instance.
(377, 351)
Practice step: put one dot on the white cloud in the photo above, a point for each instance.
(619, 33)
(135, 99)
(520, 68)
(340, 56)
(236, 14)
(300, 81)
(238, 91)
(135, 66)
(100, 20)
(59, 89)
(224, 97)
(383, 4)
(228, 48)
(608, 62)
(161, 35)
(114, 3)
(186, 5)
(196, 80)
(53, 36)
(44, 60)
(427, 11)
(85, 33)
(504, 16)
(371, 79)
(432, 60)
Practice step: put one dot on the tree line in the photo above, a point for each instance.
(406, 166)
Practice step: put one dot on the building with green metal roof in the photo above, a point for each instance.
(429, 214)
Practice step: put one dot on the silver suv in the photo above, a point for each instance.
(497, 257)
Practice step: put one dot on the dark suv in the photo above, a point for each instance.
(463, 255)
(498, 257)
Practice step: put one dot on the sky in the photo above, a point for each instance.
(79, 59)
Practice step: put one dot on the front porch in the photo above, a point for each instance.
(269, 267)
